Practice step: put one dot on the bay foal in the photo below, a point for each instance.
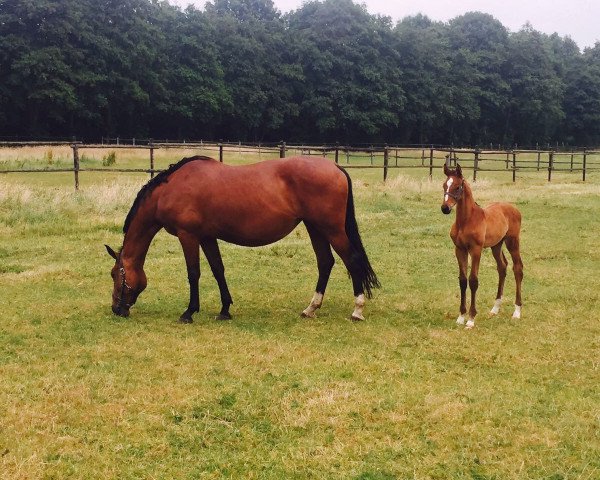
(476, 228)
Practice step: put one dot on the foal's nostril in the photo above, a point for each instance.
(445, 209)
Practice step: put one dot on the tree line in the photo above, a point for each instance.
(329, 71)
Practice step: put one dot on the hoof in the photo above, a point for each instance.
(183, 319)
(517, 314)
(460, 320)
(223, 316)
(496, 308)
(470, 324)
(306, 314)
(357, 318)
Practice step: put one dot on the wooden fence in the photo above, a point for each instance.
(385, 158)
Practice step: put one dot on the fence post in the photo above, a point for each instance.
(76, 165)
(539, 154)
(507, 154)
(337, 152)
(430, 163)
(475, 165)
(584, 164)
(571, 161)
(282, 150)
(151, 158)
(221, 152)
(347, 154)
(514, 167)
(386, 154)
(422, 157)
(550, 165)
(371, 154)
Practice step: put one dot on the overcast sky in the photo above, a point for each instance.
(579, 19)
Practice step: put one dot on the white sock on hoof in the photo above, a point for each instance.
(359, 304)
(496, 308)
(460, 320)
(517, 313)
(470, 323)
(315, 303)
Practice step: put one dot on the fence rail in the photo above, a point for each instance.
(373, 157)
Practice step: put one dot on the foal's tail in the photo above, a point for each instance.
(358, 257)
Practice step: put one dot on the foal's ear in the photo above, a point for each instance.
(447, 171)
(111, 252)
(458, 171)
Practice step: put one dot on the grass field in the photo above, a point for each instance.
(405, 394)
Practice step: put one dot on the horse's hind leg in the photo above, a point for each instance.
(210, 247)
(501, 264)
(325, 263)
(191, 251)
(512, 244)
(341, 245)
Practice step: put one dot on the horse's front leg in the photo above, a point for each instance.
(191, 251)
(462, 256)
(474, 283)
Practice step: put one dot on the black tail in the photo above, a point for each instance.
(358, 257)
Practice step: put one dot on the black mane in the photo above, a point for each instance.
(162, 177)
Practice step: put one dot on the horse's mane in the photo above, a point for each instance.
(162, 177)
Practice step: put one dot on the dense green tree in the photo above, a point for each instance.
(479, 91)
(351, 88)
(193, 92)
(251, 42)
(582, 99)
(329, 71)
(424, 64)
(535, 111)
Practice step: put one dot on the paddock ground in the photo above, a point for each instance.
(405, 394)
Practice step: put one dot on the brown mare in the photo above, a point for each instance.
(476, 228)
(200, 201)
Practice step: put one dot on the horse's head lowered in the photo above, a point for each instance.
(127, 285)
(453, 188)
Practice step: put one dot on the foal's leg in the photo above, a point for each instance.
(462, 256)
(341, 244)
(191, 251)
(501, 263)
(210, 247)
(512, 244)
(474, 283)
(325, 263)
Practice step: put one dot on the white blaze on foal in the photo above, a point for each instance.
(315, 303)
(448, 185)
(359, 304)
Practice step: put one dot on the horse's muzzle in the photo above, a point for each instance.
(121, 312)
(445, 209)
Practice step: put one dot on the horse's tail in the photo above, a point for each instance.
(358, 257)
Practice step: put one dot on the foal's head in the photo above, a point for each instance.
(453, 188)
(127, 285)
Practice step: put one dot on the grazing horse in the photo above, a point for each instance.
(476, 228)
(200, 200)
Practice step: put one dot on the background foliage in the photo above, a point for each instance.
(330, 71)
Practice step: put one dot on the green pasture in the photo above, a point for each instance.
(269, 395)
